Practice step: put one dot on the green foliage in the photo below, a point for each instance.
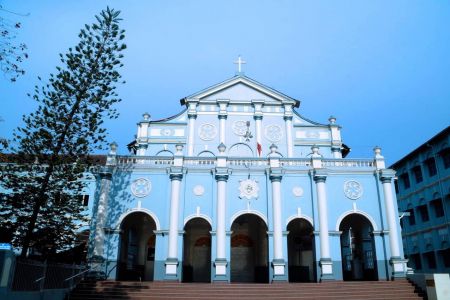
(42, 207)
(12, 54)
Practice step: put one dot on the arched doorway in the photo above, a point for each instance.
(197, 251)
(249, 250)
(358, 248)
(137, 247)
(301, 251)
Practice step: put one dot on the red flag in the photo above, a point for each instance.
(259, 148)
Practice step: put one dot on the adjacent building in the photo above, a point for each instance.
(423, 195)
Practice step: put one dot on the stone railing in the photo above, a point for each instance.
(247, 162)
(295, 162)
(241, 162)
(200, 161)
(144, 161)
(347, 163)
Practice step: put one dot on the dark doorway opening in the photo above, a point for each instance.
(137, 247)
(197, 251)
(301, 251)
(358, 249)
(249, 250)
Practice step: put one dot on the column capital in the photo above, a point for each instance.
(176, 173)
(336, 148)
(287, 117)
(192, 115)
(258, 117)
(320, 176)
(105, 172)
(386, 175)
(222, 116)
(276, 174)
(221, 174)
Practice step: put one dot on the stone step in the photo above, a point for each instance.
(376, 290)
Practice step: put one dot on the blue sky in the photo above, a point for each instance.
(381, 67)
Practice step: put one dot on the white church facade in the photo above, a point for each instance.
(239, 187)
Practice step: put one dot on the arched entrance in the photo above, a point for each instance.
(358, 248)
(301, 251)
(197, 251)
(249, 250)
(137, 247)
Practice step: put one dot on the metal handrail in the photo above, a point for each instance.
(78, 274)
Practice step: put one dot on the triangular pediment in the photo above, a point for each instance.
(241, 88)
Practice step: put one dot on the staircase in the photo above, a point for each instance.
(371, 290)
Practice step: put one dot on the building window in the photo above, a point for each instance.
(445, 254)
(416, 262)
(423, 211)
(412, 217)
(437, 207)
(417, 171)
(431, 166)
(430, 259)
(405, 180)
(84, 199)
(446, 157)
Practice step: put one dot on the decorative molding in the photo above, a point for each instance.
(273, 133)
(141, 187)
(359, 212)
(248, 189)
(297, 191)
(304, 217)
(239, 127)
(207, 131)
(198, 190)
(135, 210)
(201, 216)
(248, 211)
(353, 189)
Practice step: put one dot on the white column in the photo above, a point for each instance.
(276, 206)
(191, 134)
(288, 122)
(221, 262)
(222, 127)
(172, 254)
(391, 216)
(326, 263)
(323, 216)
(102, 209)
(258, 121)
(221, 203)
(278, 259)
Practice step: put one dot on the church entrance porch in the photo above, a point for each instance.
(249, 250)
(137, 247)
(197, 251)
(358, 249)
(300, 251)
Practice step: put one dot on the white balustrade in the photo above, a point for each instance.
(164, 161)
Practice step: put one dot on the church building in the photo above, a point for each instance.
(240, 187)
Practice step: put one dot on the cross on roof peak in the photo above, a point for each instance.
(240, 62)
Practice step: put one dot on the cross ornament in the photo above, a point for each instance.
(240, 62)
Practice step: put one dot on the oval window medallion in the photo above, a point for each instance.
(273, 133)
(207, 132)
(141, 187)
(248, 189)
(297, 191)
(353, 189)
(198, 190)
